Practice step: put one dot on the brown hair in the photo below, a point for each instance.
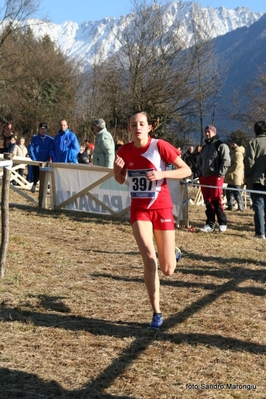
(144, 113)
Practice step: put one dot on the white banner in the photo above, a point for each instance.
(95, 190)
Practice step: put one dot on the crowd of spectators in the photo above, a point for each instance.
(223, 172)
(212, 164)
(63, 147)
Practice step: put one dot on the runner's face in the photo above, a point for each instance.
(139, 127)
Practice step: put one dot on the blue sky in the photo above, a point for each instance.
(59, 11)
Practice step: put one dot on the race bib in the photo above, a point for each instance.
(139, 185)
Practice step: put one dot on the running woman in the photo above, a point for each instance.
(143, 162)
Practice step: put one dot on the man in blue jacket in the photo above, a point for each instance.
(65, 146)
(39, 151)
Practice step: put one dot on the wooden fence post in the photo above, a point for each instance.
(5, 215)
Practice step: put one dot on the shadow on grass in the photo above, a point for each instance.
(225, 261)
(256, 291)
(18, 384)
(74, 216)
(23, 385)
(138, 330)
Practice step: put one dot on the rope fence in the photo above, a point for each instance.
(198, 200)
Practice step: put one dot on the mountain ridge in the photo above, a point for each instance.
(82, 41)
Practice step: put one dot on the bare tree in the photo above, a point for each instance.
(249, 104)
(152, 64)
(14, 15)
(257, 96)
(154, 70)
(239, 136)
(210, 77)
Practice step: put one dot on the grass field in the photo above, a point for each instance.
(74, 312)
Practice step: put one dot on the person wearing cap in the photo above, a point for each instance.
(214, 162)
(104, 150)
(65, 147)
(234, 176)
(255, 175)
(39, 151)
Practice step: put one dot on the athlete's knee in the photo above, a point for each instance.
(150, 264)
(168, 269)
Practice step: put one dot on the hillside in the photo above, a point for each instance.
(242, 51)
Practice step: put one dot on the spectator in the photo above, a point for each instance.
(118, 144)
(214, 162)
(195, 160)
(234, 176)
(81, 151)
(21, 150)
(7, 132)
(88, 143)
(255, 173)
(104, 151)
(86, 155)
(39, 151)
(65, 146)
(11, 149)
(12, 144)
(187, 156)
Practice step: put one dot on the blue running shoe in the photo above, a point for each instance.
(157, 321)
(177, 254)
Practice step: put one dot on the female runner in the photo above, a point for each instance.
(143, 162)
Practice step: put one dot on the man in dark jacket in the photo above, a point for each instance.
(255, 174)
(12, 144)
(196, 161)
(187, 157)
(39, 151)
(7, 133)
(214, 162)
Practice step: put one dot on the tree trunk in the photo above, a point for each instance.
(5, 216)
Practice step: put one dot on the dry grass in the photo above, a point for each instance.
(74, 312)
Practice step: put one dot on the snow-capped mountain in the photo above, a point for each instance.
(83, 41)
